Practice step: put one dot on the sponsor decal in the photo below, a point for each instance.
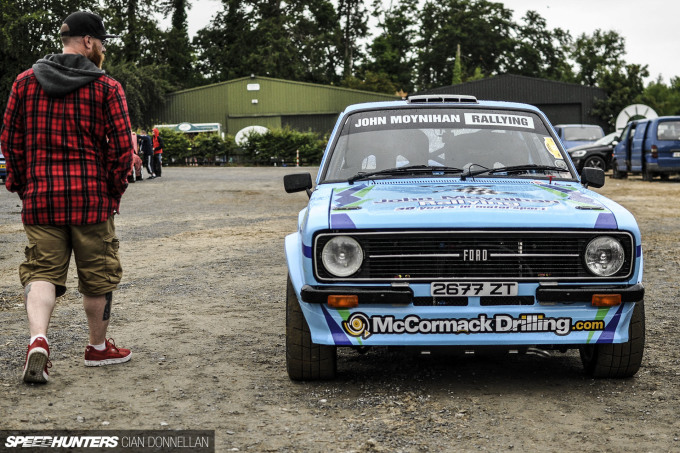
(373, 121)
(363, 326)
(552, 148)
(464, 201)
(497, 119)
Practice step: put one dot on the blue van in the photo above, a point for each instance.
(648, 147)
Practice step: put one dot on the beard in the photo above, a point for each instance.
(96, 56)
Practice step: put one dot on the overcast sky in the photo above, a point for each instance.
(650, 27)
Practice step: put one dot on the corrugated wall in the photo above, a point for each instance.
(263, 101)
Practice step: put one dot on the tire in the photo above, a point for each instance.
(647, 175)
(616, 174)
(665, 176)
(305, 361)
(617, 360)
(595, 162)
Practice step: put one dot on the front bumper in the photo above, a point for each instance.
(403, 295)
(556, 315)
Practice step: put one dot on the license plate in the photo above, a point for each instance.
(473, 289)
(676, 154)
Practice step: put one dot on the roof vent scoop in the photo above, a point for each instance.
(442, 98)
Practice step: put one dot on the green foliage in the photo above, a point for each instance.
(597, 54)
(177, 146)
(391, 52)
(482, 28)
(208, 147)
(664, 99)
(145, 90)
(624, 86)
(376, 83)
(180, 148)
(539, 51)
(327, 42)
(281, 146)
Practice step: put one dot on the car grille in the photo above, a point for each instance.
(478, 255)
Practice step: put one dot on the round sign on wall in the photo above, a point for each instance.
(634, 112)
(241, 136)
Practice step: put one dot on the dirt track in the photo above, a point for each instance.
(202, 307)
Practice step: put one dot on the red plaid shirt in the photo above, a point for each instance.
(67, 158)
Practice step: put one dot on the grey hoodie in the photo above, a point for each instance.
(60, 74)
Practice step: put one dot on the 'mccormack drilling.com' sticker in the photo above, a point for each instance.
(361, 325)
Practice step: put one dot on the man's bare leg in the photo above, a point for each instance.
(40, 299)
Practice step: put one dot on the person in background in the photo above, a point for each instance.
(157, 152)
(67, 139)
(146, 147)
(136, 169)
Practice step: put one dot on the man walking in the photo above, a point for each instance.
(67, 140)
(146, 147)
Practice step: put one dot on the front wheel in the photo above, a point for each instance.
(595, 162)
(617, 360)
(616, 173)
(305, 361)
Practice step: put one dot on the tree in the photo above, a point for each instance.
(597, 54)
(178, 55)
(290, 40)
(482, 28)
(224, 46)
(624, 86)
(664, 99)
(539, 52)
(145, 89)
(392, 51)
(353, 18)
(29, 30)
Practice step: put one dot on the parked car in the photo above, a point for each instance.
(443, 221)
(573, 135)
(595, 155)
(3, 167)
(648, 147)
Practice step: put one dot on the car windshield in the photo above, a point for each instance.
(443, 142)
(582, 133)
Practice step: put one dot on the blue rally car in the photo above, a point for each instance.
(443, 221)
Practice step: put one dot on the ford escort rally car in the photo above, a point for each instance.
(448, 221)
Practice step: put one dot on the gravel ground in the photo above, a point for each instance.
(202, 307)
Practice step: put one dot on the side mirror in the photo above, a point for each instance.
(298, 182)
(592, 177)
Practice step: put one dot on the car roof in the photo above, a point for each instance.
(405, 103)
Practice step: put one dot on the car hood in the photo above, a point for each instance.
(589, 147)
(465, 204)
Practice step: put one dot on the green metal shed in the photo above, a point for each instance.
(263, 101)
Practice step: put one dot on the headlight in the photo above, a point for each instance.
(578, 154)
(342, 256)
(604, 256)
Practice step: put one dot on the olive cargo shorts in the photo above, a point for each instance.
(95, 248)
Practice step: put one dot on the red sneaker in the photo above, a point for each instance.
(109, 356)
(37, 362)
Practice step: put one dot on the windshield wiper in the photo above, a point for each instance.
(411, 169)
(515, 169)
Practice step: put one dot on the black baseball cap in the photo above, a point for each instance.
(85, 23)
